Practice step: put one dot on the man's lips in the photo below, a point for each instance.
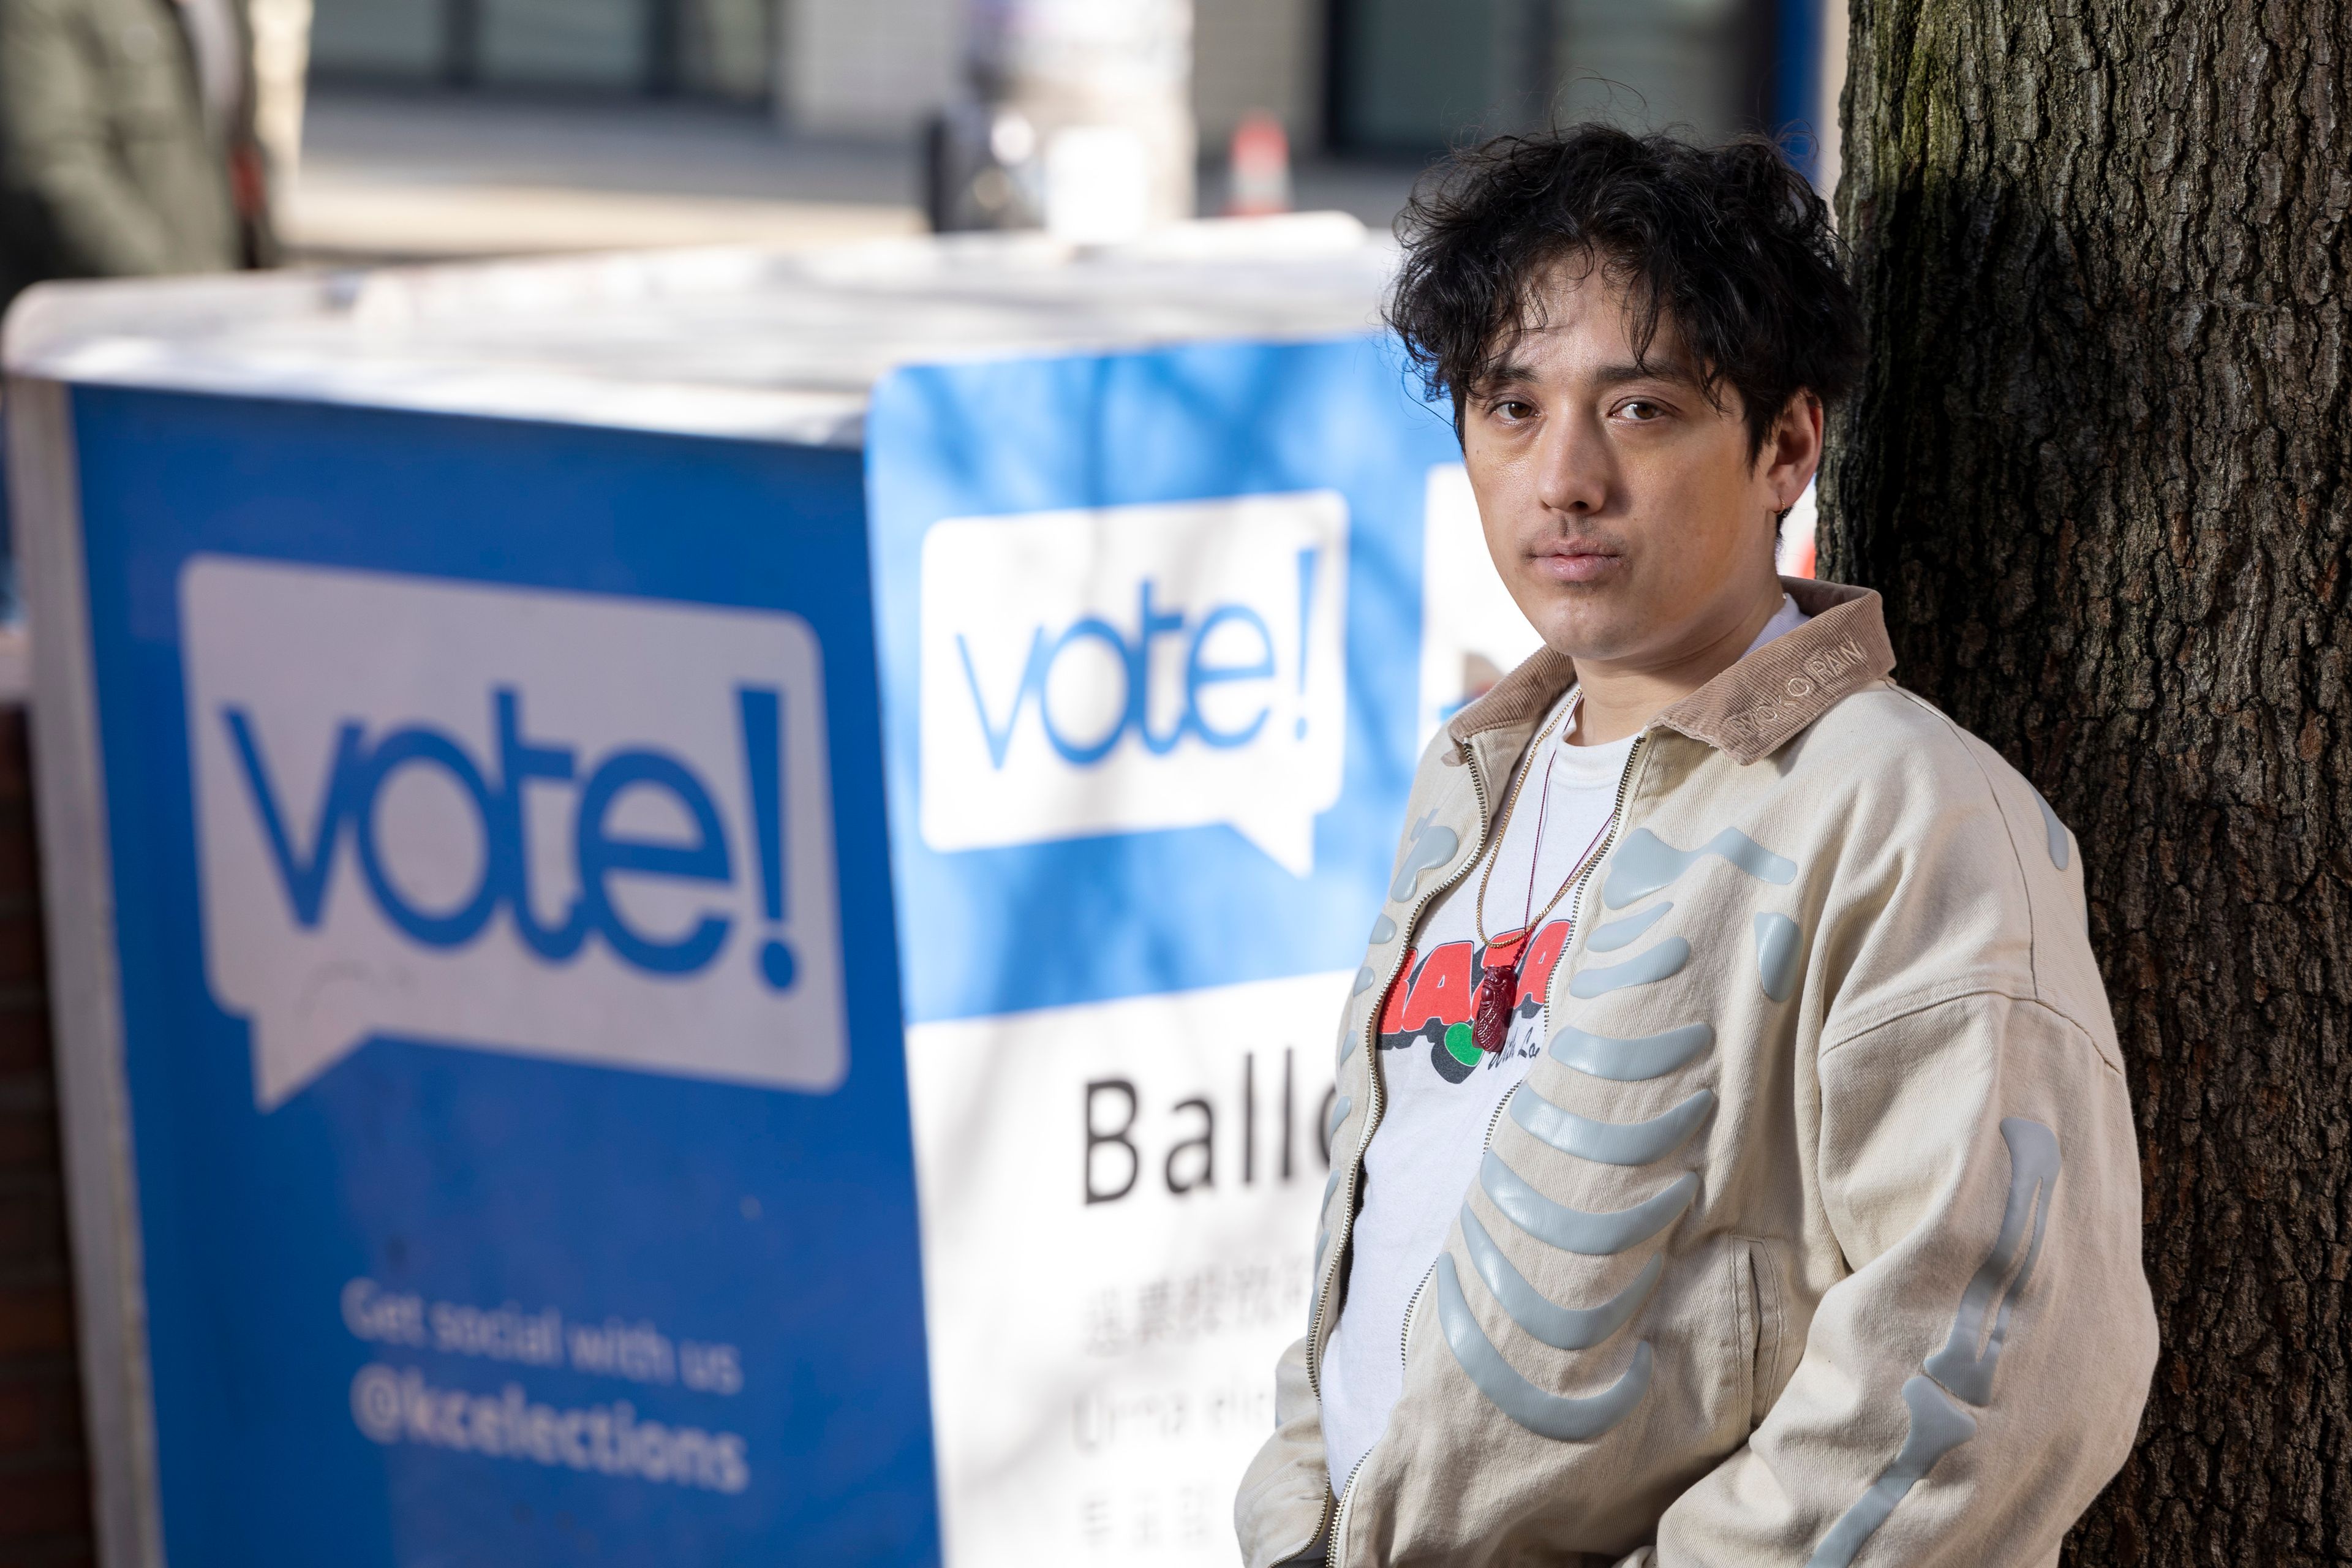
(1575, 562)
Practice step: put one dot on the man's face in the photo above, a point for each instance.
(1620, 503)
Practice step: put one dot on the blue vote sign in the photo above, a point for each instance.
(1151, 628)
(509, 1009)
(1152, 632)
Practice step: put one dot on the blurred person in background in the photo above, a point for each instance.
(127, 143)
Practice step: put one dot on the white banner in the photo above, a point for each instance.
(1118, 1203)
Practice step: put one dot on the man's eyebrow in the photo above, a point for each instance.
(1660, 369)
(1505, 373)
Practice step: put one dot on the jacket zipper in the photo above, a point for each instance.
(1576, 899)
(1337, 1550)
(1543, 1024)
(1370, 1044)
(1335, 1553)
(1412, 1304)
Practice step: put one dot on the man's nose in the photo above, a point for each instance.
(1572, 467)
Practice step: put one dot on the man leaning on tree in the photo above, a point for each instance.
(1733, 1163)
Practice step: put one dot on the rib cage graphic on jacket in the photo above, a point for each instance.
(1769, 1260)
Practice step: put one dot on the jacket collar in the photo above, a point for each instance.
(1749, 710)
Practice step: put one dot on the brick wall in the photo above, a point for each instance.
(44, 1473)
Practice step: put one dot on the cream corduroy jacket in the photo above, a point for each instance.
(1812, 1239)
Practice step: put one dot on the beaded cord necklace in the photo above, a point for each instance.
(1498, 988)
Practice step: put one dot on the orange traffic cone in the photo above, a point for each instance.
(1258, 168)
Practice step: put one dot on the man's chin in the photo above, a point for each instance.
(1606, 637)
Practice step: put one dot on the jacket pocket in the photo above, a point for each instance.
(1762, 1324)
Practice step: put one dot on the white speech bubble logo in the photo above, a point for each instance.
(557, 825)
(1131, 668)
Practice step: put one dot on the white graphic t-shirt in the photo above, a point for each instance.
(1442, 1092)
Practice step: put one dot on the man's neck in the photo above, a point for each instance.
(1621, 697)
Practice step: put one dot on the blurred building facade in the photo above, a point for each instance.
(1380, 77)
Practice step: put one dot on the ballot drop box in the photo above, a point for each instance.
(698, 903)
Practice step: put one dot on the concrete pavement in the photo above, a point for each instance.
(393, 175)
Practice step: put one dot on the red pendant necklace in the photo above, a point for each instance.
(1498, 988)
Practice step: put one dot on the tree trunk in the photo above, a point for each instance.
(2099, 469)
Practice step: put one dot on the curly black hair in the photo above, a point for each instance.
(1729, 242)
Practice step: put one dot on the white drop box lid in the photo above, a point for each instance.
(744, 342)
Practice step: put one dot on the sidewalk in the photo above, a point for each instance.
(415, 176)
(418, 176)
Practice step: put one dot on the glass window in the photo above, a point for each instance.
(1653, 64)
(569, 42)
(1411, 75)
(1420, 75)
(726, 48)
(377, 37)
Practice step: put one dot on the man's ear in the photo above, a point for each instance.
(1793, 451)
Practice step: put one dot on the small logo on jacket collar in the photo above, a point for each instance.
(1821, 670)
(1747, 710)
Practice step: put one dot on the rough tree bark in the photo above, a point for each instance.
(2099, 468)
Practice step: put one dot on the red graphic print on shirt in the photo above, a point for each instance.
(1434, 996)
